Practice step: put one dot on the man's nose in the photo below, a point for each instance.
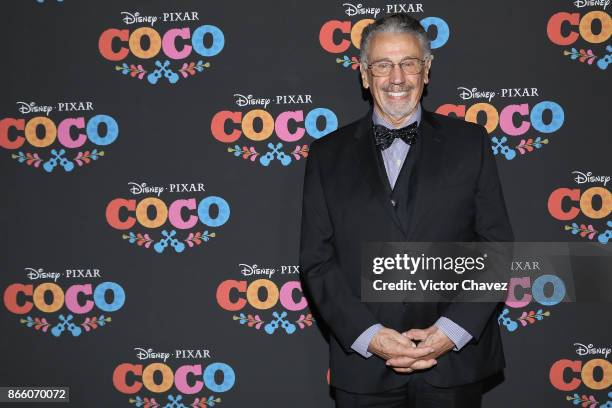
(397, 75)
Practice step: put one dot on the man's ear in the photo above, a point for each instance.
(427, 68)
(364, 75)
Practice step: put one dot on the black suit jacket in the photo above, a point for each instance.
(455, 196)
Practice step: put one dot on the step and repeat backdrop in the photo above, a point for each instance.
(152, 156)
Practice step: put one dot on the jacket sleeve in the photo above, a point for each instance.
(491, 225)
(320, 272)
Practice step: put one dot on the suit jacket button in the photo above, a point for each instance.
(393, 202)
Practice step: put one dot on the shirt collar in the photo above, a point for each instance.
(415, 117)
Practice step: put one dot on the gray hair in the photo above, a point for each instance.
(394, 23)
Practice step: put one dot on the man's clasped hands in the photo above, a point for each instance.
(401, 352)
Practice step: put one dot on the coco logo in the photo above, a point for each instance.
(53, 308)
(545, 290)
(290, 118)
(515, 121)
(593, 202)
(67, 140)
(150, 212)
(344, 35)
(587, 370)
(262, 294)
(187, 43)
(583, 29)
(173, 372)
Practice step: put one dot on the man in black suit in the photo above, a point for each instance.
(400, 174)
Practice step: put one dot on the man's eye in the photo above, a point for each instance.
(383, 65)
(409, 64)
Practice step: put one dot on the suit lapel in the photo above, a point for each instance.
(369, 163)
(427, 169)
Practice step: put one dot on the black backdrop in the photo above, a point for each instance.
(56, 221)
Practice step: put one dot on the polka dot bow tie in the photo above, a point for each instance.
(385, 136)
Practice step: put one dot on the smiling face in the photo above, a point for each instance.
(395, 96)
